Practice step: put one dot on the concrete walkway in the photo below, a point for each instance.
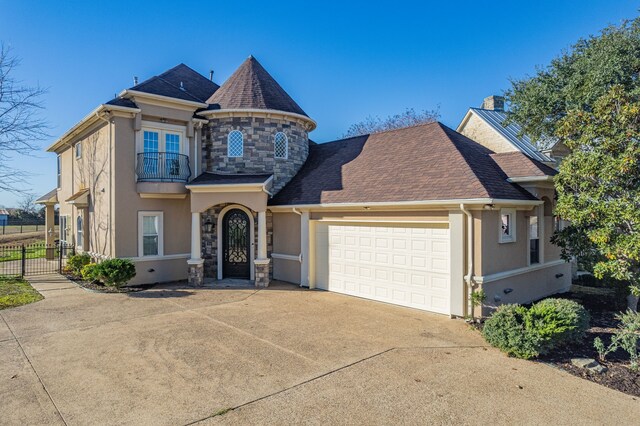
(277, 356)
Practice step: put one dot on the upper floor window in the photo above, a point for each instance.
(79, 150)
(281, 145)
(507, 225)
(235, 144)
(162, 153)
(59, 165)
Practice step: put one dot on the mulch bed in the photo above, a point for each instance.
(618, 375)
(100, 288)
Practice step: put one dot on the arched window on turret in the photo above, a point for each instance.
(235, 144)
(281, 145)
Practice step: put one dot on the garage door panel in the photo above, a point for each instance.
(404, 265)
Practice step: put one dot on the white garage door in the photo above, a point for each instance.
(403, 265)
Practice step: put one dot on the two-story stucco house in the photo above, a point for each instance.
(199, 182)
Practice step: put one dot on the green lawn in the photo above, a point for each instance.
(14, 252)
(16, 292)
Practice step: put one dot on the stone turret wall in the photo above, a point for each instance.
(259, 155)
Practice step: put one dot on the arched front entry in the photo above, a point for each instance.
(236, 244)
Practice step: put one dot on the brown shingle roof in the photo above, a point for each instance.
(420, 163)
(208, 178)
(517, 164)
(49, 196)
(179, 82)
(252, 87)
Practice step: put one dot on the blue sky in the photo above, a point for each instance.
(341, 61)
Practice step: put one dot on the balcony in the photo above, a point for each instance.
(163, 167)
(162, 174)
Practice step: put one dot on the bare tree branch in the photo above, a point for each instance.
(21, 126)
(407, 118)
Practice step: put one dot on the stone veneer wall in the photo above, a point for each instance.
(210, 240)
(259, 134)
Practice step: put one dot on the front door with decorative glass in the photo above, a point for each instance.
(235, 245)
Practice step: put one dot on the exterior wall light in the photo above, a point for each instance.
(208, 225)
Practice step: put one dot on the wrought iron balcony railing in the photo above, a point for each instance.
(163, 167)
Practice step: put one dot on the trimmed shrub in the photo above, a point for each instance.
(506, 330)
(558, 321)
(115, 272)
(90, 272)
(76, 262)
(528, 333)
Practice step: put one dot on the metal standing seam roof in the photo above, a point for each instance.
(511, 132)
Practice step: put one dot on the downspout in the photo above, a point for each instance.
(468, 278)
(111, 177)
(299, 213)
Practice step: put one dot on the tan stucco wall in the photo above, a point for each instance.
(286, 233)
(286, 240)
(91, 171)
(527, 287)
(177, 213)
(163, 271)
(475, 128)
(493, 256)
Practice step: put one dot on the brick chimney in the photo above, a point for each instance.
(494, 103)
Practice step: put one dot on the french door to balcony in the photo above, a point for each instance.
(163, 153)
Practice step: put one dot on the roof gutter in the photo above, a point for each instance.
(134, 93)
(251, 111)
(521, 179)
(424, 203)
(86, 122)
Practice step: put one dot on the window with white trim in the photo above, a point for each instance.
(63, 224)
(79, 233)
(534, 240)
(59, 165)
(162, 145)
(150, 234)
(281, 146)
(78, 150)
(235, 144)
(507, 225)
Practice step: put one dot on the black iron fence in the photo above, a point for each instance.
(163, 167)
(20, 226)
(34, 259)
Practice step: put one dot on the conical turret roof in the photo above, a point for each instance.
(252, 87)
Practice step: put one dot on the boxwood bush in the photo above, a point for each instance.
(76, 262)
(530, 332)
(115, 272)
(90, 272)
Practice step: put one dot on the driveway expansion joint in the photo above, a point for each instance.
(35, 372)
(318, 377)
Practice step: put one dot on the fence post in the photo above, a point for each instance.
(60, 245)
(24, 261)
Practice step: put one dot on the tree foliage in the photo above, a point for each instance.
(576, 80)
(407, 118)
(21, 127)
(599, 186)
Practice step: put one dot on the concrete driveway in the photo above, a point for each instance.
(276, 356)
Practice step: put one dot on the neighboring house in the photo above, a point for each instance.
(195, 181)
(486, 125)
(4, 217)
